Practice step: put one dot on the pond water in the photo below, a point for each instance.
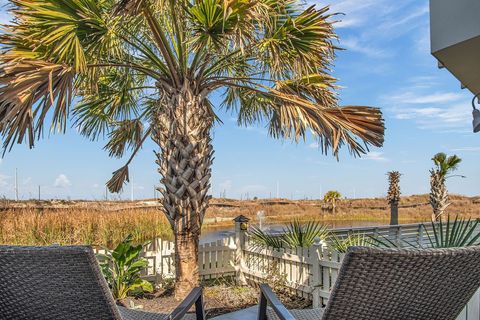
(214, 234)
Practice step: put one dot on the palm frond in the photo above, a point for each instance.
(296, 235)
(454, 233)
(127, 134)
(129, 7)
(352, 240)
(261, 239)
(119, 177)
(29, 91)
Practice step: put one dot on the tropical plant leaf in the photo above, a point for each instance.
(354, 239)
(261, 239)
(122, 267)
(30, 92)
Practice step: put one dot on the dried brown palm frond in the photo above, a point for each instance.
(119, 177)
(333, 126)
(29, 89)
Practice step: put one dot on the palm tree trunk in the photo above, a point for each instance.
(393, 214)
(182, 132)
(438, 195)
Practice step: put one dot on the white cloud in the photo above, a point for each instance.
(415, 98)
(405, 20)
(357, 13)
(466, 149)
(447, 117)
(62, 181)
(375, 156)
(357, 45)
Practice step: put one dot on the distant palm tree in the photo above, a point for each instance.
(438, 189)
(332, 197)
(149, 68)
(393, 196)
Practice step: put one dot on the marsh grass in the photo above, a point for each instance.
(81, 226)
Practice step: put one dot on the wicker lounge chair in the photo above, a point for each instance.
(390, 284)
(66, 283)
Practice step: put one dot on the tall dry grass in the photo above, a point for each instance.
(95, 223)
(80, 226)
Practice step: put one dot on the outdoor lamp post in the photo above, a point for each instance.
(476, 115)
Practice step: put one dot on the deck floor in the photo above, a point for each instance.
(246, 314)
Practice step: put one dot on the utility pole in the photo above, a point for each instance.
(39, 197)
(106, 193)
(16, 184)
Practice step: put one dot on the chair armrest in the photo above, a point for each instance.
(268, 297)
(194, 297)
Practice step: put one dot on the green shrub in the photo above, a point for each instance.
(294, 235)
(355, 239)
(121, 268)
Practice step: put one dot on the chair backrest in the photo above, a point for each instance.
(381, 284)
(53, 283)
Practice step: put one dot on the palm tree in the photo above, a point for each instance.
(438, 189)
(393, 196)
(133, 69)
(332, 197)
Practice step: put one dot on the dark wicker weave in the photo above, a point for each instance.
(57, 283)
(392, 284)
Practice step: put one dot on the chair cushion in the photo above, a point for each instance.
(131, 314)
(300, 314)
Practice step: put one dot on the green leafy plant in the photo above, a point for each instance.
(456, 233)
(444, 234)
(261, 238)
(122, 266)
(352, 240)
(297, 235)
(294, 235)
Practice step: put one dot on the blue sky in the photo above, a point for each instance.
(387, 63)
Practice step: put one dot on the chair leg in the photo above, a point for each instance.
(262, 308)
(200, 309)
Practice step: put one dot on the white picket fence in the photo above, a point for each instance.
(309, 272)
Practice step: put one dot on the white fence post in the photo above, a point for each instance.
(315, 254)
(241, 227)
